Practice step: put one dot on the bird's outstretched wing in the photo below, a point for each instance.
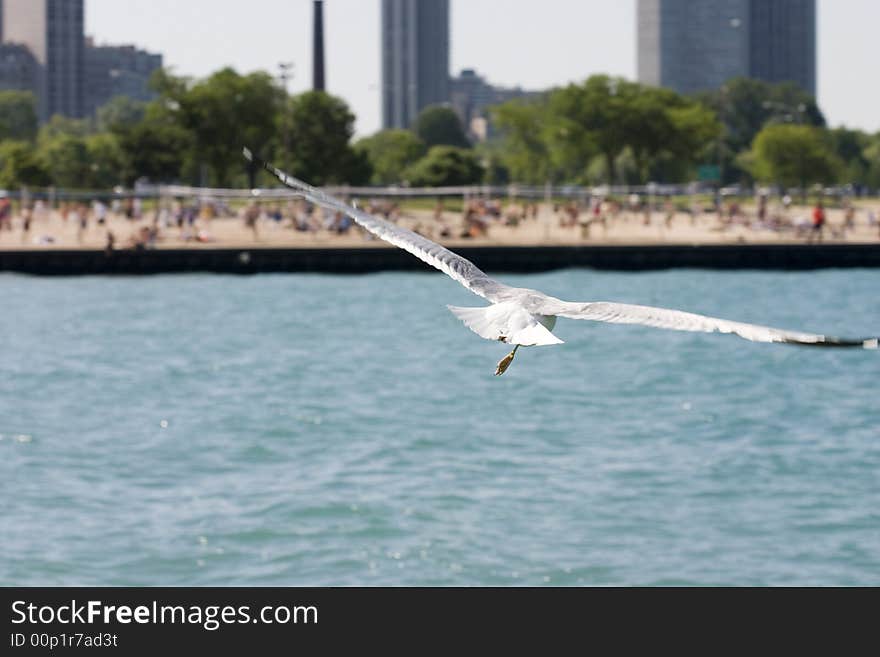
(622, 313)
(451, 264)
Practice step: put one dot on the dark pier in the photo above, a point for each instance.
(490, 258)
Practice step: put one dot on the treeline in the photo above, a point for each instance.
(602, 130)
(613, 130)
(192, 133)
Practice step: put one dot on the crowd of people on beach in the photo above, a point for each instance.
(191, 220)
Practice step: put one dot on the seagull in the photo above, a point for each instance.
(525, 318)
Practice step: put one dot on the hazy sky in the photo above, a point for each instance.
(535, 44)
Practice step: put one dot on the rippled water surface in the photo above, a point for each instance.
(332, 430)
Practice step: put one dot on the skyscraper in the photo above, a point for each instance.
(782, 42)
(471, 97)
(18, 68)
(53, 32)
(117, 71)
(415, 58)
(692, 46)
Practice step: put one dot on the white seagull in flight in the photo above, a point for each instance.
(525, 318)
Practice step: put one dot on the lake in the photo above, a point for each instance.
(347, 430)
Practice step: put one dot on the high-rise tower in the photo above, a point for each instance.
(693, 46)
(415, 58)
(53, 32)
(782, 42)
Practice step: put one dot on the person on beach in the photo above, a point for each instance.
(585, 221)
(251, 215)
(669, 206)
(818, 223)
(83, 221)
(873, 221)
(438, 211)
(600, 209)
(574, 213)
(100, 211)
(26, 218)
(5, 213)
(849, 217)
(762, 210)
(41, 212)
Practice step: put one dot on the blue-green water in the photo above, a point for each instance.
(331, 430)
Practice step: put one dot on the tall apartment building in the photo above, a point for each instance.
(18, 68)
(52, 30)
(693, 46)
(471, 97)
(415, 58)
(117, 71)
(782, 42)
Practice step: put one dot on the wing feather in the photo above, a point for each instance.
(453, 265)
(677, 320)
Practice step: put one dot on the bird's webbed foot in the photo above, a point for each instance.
(505, 362)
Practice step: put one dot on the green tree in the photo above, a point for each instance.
(745, 106)
(491, 157)
(596, 115)
(18, 115)
(155, 147)
(120, 112)
(872, 156)
(666, 132)
(524, 148)
(851, 147)
(696, 130)
(319, 128)
(222, 114)
(390, 152)
(437, 125)
(19, 166)
(66, 159)
(65, 126)
(649, 124)
(794, 155)
(636, 130)
(107, 161)
(446, 166)
(62, 149)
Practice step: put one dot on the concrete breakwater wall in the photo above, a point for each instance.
(490, 258)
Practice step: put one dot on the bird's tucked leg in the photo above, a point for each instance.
(505, 362)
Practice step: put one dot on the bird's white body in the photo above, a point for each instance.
(510, 323)
(524, 317)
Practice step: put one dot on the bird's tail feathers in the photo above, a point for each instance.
(477, 320)
(505, 323)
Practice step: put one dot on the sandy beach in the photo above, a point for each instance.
(48, 230)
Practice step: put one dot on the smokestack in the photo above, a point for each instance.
(318, 48)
